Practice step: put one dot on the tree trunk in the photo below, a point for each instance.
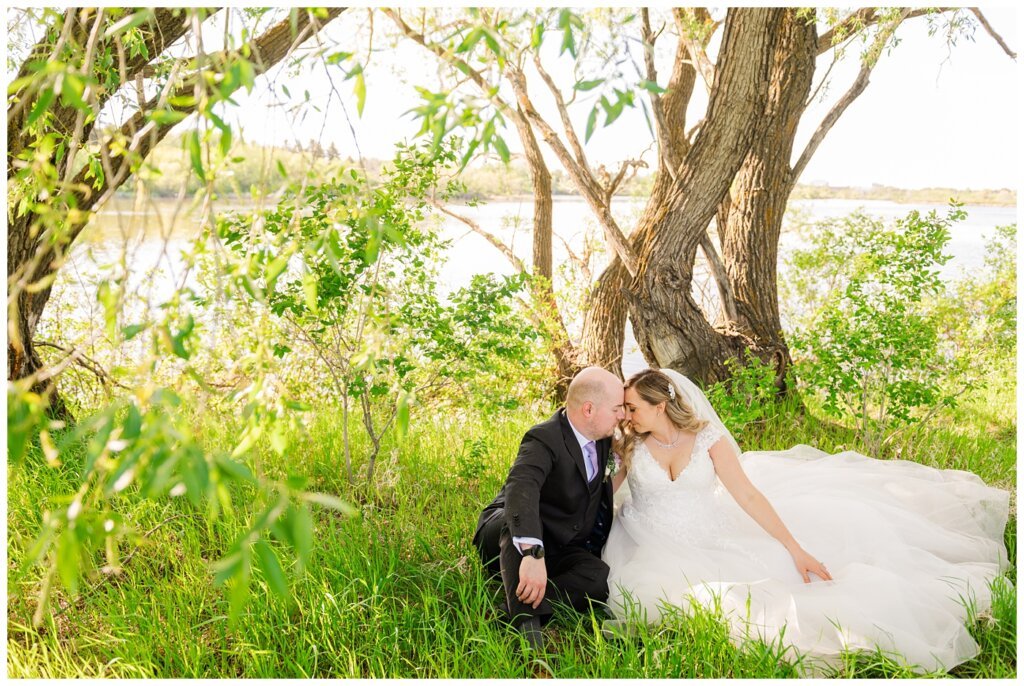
(760, 192)
(671, 329)
(604, 326)
(562, 349)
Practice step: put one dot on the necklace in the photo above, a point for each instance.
(667, 446)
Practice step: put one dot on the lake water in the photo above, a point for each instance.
(154, 236)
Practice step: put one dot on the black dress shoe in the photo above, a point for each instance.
(531, 631)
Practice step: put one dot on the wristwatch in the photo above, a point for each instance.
(536, 552)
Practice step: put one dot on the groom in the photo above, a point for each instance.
(544, 531)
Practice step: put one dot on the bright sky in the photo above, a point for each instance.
(933, 115)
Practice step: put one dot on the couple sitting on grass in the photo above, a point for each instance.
(825, 553)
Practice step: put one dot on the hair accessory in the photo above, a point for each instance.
(671, 390)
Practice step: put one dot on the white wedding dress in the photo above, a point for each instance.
(906, 544)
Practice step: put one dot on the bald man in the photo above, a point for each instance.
(544, 531)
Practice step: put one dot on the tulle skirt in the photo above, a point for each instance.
(909, 547)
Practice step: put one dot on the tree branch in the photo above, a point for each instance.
(450, 58)
(694, 47)
(992, 32)
(487, 235)
(864, 17)
(86, 363)
(144, 134)
(563, 112)
(665, 155)
(858, 86)
(584, 181)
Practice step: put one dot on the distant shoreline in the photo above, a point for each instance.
(931, 196)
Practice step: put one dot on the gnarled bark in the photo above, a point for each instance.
(670, 327)
(753, 214)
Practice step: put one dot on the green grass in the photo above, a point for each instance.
(399, 592)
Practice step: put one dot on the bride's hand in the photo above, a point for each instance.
(805, 564)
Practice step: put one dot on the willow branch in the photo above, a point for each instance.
(563, 113)
(696, 48)
(83, 361)
(992, 32)
(657, 107)
(587, 185)
(858, 86)
(487, 235)
(864, 17)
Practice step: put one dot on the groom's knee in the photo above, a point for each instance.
(598, 587)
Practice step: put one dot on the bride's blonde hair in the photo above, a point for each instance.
(655, 387)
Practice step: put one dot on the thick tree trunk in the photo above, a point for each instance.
(753, 218)
(604, 326)
(671, 329)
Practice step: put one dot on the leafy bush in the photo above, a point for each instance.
(746, 398)
(871, 348)
(349, 269)
(979, 319)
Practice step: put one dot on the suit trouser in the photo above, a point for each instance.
(575, 575)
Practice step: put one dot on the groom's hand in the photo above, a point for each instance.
(533, 581)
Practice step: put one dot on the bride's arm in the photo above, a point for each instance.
(753, 502)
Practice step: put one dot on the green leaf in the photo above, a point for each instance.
(271, 568)
(492, 42)
(499, 145)
(651, 86)
(226, 568)
(278, 439)
(302, 532)
(471, 39)
(68, 560)
(225, 141)
(588, 85)
(309, 292)
(360, 91)
(164, 117)
(233, 469)
(402, 416)
(537, 37)
(565, 22)
(42, 104)
(333, 502)
(591, 123)
(238, 594)
(337, 57)
(246, 74)
(128, 22)
(178, 339)
(274, 269)
(71, 91)
(195, 153)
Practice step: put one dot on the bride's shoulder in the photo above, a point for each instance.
(710, 434)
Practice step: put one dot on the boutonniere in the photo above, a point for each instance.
(613, 466)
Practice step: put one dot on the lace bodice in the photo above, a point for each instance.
(685, 509)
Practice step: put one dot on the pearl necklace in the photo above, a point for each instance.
(667, 446)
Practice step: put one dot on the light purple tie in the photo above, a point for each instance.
(590, 452)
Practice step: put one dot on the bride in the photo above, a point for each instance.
(824, 552)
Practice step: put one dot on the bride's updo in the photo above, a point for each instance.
(655, 387)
